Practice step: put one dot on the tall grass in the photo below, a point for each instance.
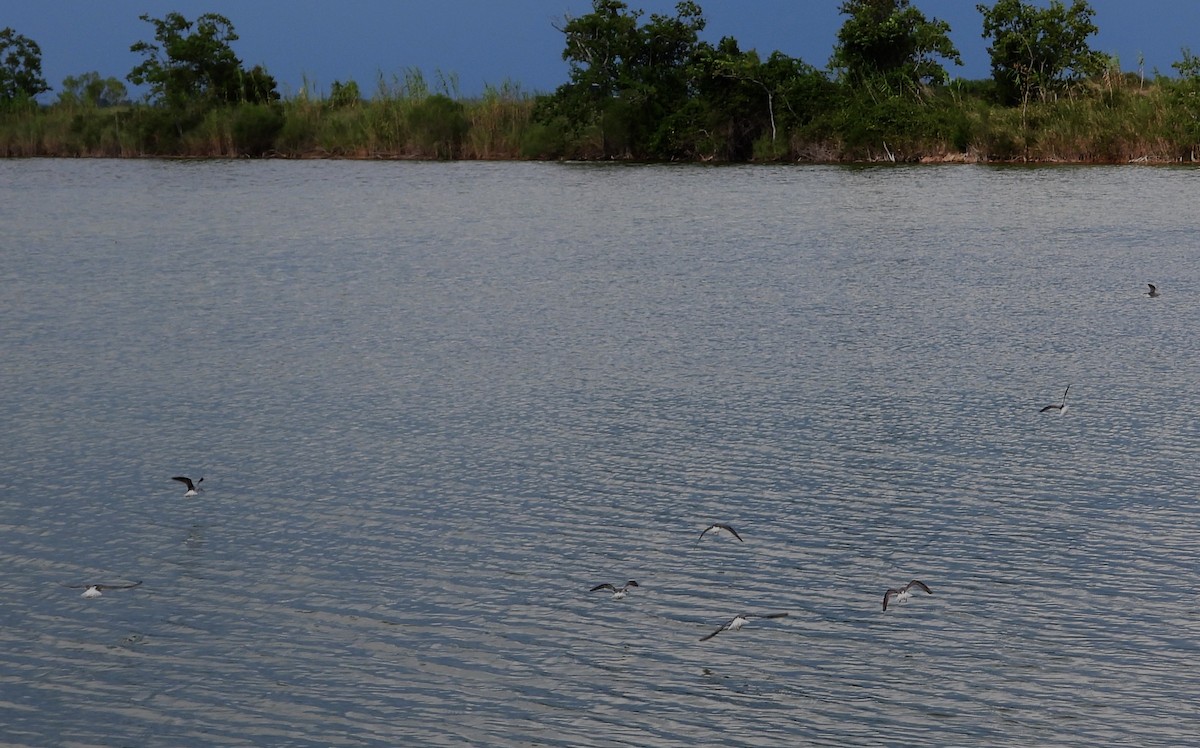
(1114, 120)
(497, 123)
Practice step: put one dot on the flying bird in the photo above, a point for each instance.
(716, 527)
(1153, 290)
(1061, 407)
(618, 592)
(94, 590)
(901, 595)
(741, 620)
(193, 488)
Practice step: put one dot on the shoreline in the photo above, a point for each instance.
(929, 159)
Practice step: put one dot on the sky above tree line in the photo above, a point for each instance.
(490, 42)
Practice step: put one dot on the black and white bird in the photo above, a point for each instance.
(1061, 407)
(193, 488)
(716, 528)
(95, 590)
(1153, 290)
(618, 592)
(901, 595)
(741, 620)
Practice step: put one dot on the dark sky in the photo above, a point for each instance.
(490, 42)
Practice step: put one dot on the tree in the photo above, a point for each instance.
(734, 95)
(745, 99)
(193, 65)
(627, 78)
(1188, 67)
(1037, 52)
(90, 90)
(20, 67)
(257, 86)
(1184, 93)
(891, 45)
(599, 45)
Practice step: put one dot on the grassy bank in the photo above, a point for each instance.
(389, 125)
(1118, 120)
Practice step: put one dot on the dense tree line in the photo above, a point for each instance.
(655, 90)
(647, 88)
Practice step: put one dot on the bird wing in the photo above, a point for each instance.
(1050, 407)
(706, 638)
(732, 531)
(605, 586)
(117, 586)
(888, 596)
(181, 479)
(920, 584)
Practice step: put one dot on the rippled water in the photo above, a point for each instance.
(434, 404)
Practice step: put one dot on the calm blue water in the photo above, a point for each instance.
(434, 404)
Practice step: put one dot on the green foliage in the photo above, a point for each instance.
(891, 46)
(1184, 96)
(816, 119)
(193, 66)
(301, 123)
(545, 140)
(255, 127)
(1188, 67)
(733, 101)
(160, 130)
(549, 134)
(745, 103)
(649, 88)
(20, 67)
(438, 126)
(90, 90)
(877, 128)
(496, 122)
(256, 86)
(599, 47)
(626, 78)
(410, 84)
(344, 94)
(186, 66)
(1038, 52)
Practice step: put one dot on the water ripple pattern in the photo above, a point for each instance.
(435, 404)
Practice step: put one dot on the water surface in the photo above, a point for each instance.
(434, 404)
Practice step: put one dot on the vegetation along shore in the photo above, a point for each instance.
(641, 88)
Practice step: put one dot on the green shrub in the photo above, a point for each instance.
(438, 126)
(545, 140)
(255, 127)
(344, 94)
(298, 133)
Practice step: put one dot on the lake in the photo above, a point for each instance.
(434, 404)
